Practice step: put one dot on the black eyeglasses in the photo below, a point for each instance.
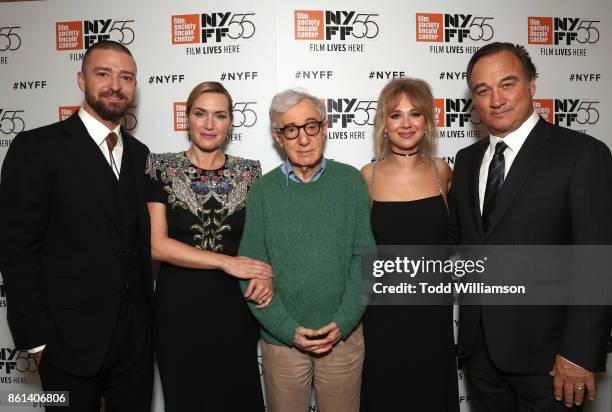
(292, 131)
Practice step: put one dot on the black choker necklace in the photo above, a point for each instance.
(405, 154)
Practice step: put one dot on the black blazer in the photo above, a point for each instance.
(59, 243)
(557, 192)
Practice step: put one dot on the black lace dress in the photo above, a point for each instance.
(410, 360)
(206, 337)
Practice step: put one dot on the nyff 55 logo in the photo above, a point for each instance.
(334, 25)
(438, 27)
(9, 38)
(562, 30)
(342, 112)
(78, 35)
(11, 121)
(455, 112)
(568, 112)
(211, 27)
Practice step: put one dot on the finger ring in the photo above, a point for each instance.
(579, 387)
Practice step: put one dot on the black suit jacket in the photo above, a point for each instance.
(59, 243)
(557, 192)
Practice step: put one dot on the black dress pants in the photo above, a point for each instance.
(126, 378)
(492, 390)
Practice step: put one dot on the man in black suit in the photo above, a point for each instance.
(74, 245)
(528, 183)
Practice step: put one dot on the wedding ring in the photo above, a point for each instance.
(579, 387)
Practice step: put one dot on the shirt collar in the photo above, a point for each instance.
(96, 129)
(515, 140)
(288, 171)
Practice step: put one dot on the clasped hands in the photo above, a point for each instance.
(571, 382)
(317, 341)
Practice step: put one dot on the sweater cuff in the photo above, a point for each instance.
(286, 332)
(346, 327)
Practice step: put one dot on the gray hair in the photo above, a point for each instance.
(285, 100)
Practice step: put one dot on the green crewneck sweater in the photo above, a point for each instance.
(314, 235)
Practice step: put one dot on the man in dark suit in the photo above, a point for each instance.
(74, 245)
(528, 183)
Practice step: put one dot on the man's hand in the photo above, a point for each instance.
(571, 382)
(260, 291)
(333, 336)
(304, 339)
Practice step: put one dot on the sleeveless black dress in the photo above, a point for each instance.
(410, 360)
(206, 337)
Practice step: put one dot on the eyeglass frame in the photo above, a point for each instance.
(281, 130)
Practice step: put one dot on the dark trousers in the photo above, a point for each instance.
(492, 390)
(126, 377)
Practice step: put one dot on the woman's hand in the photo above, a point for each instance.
(260, 291)
(244, 267)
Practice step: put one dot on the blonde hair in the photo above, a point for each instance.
(419, 93)
(209, 87)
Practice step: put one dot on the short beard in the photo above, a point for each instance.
(111, 112)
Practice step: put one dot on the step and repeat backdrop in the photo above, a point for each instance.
(342, 51)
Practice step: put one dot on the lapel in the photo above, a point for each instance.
(92, 166)
(523, 165)
(475, 179)
(130, 148)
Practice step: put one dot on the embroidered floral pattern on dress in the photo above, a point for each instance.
(190, 188)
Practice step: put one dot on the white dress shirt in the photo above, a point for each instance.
(514, 141)
(98, 133)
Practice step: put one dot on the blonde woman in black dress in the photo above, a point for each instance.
(206, 337)
(410, 356)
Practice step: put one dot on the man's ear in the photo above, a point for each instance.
(279, 139)
(81, 81)
(532, 87)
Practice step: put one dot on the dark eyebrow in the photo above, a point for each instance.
(204, 110)
(108, 69)
(511, 77)
(479, 85)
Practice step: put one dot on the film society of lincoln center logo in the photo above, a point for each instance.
(79, 35)
(213, 29)
(453, 28)
(243, 114)
(568, 112)
(335, 25)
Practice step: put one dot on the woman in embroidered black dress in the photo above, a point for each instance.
(410, 356)
(206, 338)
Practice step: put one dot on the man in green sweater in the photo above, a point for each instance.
(309, 218)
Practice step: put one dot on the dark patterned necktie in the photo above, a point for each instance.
(111, 142)
(495, 181)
